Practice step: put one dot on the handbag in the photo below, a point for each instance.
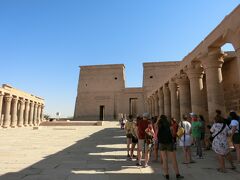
(180, 131)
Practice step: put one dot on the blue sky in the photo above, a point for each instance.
(43, 42)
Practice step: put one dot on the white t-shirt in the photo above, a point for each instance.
(234, 123)
(186, 125)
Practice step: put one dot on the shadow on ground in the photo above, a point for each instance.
(95, 157)
(101, 156)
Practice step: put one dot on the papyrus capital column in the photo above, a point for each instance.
(26, 113)
(195, 76)
(30, 122)
(175, 112)
(184, 94)
(21, 112)
(161, 101)
(1, 106)
(42, 114)
(39, 114)
(14, 117)
(35, 114)
(167, 101)
(237, 51)
(7, 116)
(213, 68)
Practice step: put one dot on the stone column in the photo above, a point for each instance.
(184, 95)
(14, 117)
(35, 114)
(195, 75)
(213, 69)
(30, 122)
(161, 101)
(156, 104)
(1, 105)
(21, 112)
(237, 51)
(39, 114)
(42, 114)
(175, 113)
(7, 116)
(167, 101)
(26, 113)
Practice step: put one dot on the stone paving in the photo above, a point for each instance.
(86, 153)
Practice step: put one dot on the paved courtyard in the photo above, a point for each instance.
(86, 153)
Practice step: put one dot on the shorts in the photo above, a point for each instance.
(167, 147)
(187, 141)
(236, 138)
(140, 144)
(134, 140)
(129, 135)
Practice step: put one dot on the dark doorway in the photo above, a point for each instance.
(102, 109)
(133, 106)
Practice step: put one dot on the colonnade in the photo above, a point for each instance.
(20, 111)
(183, 93)
(196, 85)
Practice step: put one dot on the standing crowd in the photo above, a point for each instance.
(147, 136)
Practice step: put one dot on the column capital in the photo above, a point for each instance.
(165, 88)
(172, 84)
(31, 102)
(182, 80)
(8, 98)
(155, 95)
(152, 97)
(27, 101)
(213, 59)
(14, 99)
(22, 101)
(160, 92)
(195, 72)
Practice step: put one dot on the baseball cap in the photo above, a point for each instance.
(192, 114)
(146, 115)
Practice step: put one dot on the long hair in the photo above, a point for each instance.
(233, 115)
(163, 122)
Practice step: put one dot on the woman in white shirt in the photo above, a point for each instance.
(234, 125)
(186, 140)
